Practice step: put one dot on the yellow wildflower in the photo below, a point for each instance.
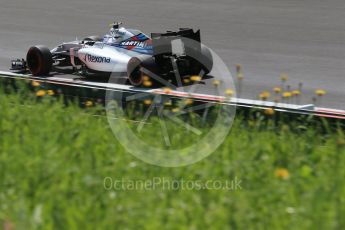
(35, 84)
(264, 95)
(147, 102)
(216, 82)
(167, 90)
(277, 89)
(287, 94)
(195, 78)
(175, 110)
(296, 93)
(229, 92)
(320, 92)
(146, 78)
(188, 101)
(40, 93)
(147, 83)
(88, 103)
(240, 76)
(50, 92)
(269, 111)
(186, 80)
(282, 173)
(168, 103)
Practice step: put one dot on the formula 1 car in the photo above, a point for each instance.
(124, 51)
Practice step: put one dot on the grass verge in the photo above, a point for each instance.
(62, 168)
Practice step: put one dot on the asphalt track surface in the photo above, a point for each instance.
(304, 38)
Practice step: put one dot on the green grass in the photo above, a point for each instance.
(54, 159)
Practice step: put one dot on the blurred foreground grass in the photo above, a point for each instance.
(54, 161)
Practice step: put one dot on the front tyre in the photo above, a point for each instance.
(39, 60)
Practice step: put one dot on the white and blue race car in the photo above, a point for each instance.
(124, 51)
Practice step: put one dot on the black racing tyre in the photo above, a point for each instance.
(94, 38)
(39, 60)
(206, 59)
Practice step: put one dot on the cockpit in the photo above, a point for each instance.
(128, 39)
(119, 34)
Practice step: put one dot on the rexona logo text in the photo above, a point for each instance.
(96, 59)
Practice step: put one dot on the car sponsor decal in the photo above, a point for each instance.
(139, 41)
(133, 44)
(96, 59)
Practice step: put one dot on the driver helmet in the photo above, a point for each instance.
(114, 32)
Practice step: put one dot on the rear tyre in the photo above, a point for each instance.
(207, 59)
(39, 60)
